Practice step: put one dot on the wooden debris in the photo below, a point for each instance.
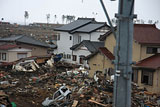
(104, 105)
(75, 102)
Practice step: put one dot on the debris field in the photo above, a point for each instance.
(37, 82)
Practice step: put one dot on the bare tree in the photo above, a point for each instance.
(156, 22)
(26, 16)
(150, 21)
(48, 18)
(63, 18)
(55, 18)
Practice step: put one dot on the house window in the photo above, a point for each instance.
(0, 56)
(68, 56)
(152, 50)
(58, 36)
(79, 39)
(3, 56)
(70, 38)
(21, 55)
(94, 64)
(64, 56)
(147, 77)
(74, 57)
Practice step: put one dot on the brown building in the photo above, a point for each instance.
(20, 46)
(100, 60)
(146, 44)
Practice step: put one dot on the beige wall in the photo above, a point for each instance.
(139, 51)
(110, 43)
(99, 62)
(155, 88)
(12, 56)
(37, 50)
(143, 52)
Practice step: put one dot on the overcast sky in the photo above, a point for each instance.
(13, 10)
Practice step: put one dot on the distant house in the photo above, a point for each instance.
(101, 60)
(77, 31)
(20, 46)
(81, 50)
(12, 52)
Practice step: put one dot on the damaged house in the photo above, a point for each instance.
(101, 60)
(146, 49)
(19, 46)
(75, 32)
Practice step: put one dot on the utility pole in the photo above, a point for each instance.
(123, 54)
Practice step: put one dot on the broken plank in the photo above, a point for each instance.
(75, 103)
(97, 103)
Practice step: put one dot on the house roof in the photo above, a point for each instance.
(74, 25)
(89, 27)
(102, 50)
(7, 46)
(92, 46)
(25, 39)
(107, 53)
(83, 25)
(152, 62)
(143, 34)
(146, 34)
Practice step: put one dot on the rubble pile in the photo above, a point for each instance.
(63, 85)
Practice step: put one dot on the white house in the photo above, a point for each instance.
(83, 49)
(77, 31)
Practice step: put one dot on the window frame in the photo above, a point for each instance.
(4, 56)
(150, 75)
(152, 50)
(70, 37)
(0, 56)
(74, 57)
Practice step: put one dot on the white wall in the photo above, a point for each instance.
(80, 52)
(64, 44)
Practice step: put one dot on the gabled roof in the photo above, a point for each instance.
(24, 39)
(7, 46)
(102, 50)
(93, 26)
(143, 34)
(92, 46)
(152, 62)
(83, 25)
(74, 25)
(146, 34)
(107, 53)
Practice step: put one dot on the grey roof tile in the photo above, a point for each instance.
(74, 25)
(92, 46)
(89, 27)
(25, 40)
